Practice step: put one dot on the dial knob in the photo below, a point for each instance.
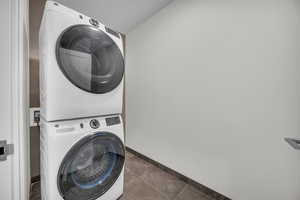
(94, 124)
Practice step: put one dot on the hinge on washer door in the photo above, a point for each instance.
(5, 150)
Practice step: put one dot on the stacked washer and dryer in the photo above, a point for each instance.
(81, 80)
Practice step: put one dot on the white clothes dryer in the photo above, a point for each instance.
(82, 159)
(81, 65)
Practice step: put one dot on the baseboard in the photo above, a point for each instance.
(120, 197)
(199, 186)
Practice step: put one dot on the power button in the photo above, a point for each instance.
(94, 22)
(94, 124)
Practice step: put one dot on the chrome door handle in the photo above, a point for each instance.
(295, 143)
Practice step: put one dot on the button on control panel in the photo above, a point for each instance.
(112, 121)
(94, 124)
(94, 22)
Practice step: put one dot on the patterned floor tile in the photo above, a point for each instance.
(191, 193)
(139, 190)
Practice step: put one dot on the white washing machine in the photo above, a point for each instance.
(82, 159)
(81, 65)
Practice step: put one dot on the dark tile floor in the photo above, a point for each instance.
(144, 181)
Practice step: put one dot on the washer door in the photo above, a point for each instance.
(91, 167)
(90, 59)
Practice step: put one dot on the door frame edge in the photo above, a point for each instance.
(20, 98)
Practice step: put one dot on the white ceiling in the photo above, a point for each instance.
(121, 15)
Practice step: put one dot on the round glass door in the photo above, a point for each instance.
(90, 59)
(91, 167)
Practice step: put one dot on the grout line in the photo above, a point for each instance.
(144, 179)
(146, 183)
(141, 178)
(181, 191)
(150, 185)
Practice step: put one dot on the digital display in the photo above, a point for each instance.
(112, 121)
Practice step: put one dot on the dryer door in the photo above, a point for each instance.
(90, 59)
(91, 167)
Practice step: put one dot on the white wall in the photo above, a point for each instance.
(121, 15)
(213, 87)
